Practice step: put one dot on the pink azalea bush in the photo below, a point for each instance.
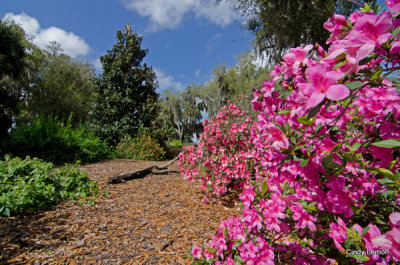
(222, 160)
(323, 154)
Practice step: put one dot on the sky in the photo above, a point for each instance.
(186, 39)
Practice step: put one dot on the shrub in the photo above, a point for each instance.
(173, 148)
(222, 160)
(142, 147)
(32, 184)
(327, 138)
(51, 140)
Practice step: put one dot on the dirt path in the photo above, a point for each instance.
(153, 220)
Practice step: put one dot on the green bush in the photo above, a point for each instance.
(141, 147)
(173, 148)
(32, 184)
(51, 140)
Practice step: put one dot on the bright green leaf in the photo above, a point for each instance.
(304, 120)
(391, 143)
(303, 163)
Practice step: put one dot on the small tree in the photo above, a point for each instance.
(12, 67)
(126, 97)
(63, 86)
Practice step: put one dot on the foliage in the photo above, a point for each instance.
(52, 140)
(142, 147)
(32, 184)
(63, 86)
(229, 83)
(125, 92)
(327, 154)
(12, 67)
(173, 148)
(182, 111)
(280, 25)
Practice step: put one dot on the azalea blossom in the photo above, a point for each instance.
(323, 84)
(393, 5)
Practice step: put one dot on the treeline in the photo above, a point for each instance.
(57, 108)
(182, 111)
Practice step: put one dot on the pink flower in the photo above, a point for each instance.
(393, 5)
(196, 252)
(373, 30)
(323, 85)
(338, 231)
(335, 25)
(394, 220)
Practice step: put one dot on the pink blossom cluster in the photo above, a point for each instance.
(222, 159)
(324, 154)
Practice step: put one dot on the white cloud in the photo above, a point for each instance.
(97, 64)
(72, 44)
(170, 13)
(167, 81)
(29, 24)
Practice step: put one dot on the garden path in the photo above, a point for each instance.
(153, 220)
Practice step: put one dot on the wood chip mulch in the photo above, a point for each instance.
(152, 220)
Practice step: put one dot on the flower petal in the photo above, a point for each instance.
(315, 99)
(365, 50)
(337, 92)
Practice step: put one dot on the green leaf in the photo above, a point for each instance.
(391, 143)
(359, 257)
(354, 85)
(238, 243)
(211, 250)
(396, 32)
(264, 188)
(386, 172)
(286, 111)
(303, 163)
(304, 120)
(319, 127)
(385, 181)
(327, 163)
(365, 231)
(340, 64)
(355, 147)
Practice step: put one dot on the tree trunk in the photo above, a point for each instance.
(143, 172)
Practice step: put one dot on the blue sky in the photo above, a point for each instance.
(186, 39)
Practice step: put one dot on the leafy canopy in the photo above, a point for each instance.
(126, 97)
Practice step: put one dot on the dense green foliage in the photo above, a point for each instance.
(125, 92)
(12, 67)
(52, 140)
(32, 184)
(64, 86)
(141, 147)
(280, 25)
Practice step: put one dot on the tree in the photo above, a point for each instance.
(126, 97)
(230, 83)
(63, 86)
(279, 25)
(12, 69)
(182, 111)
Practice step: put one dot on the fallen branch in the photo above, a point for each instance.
(158, 170)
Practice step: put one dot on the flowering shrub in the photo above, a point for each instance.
(222, 160)
(326, 167)
(142, 147)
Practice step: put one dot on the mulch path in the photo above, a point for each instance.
(152, 220)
